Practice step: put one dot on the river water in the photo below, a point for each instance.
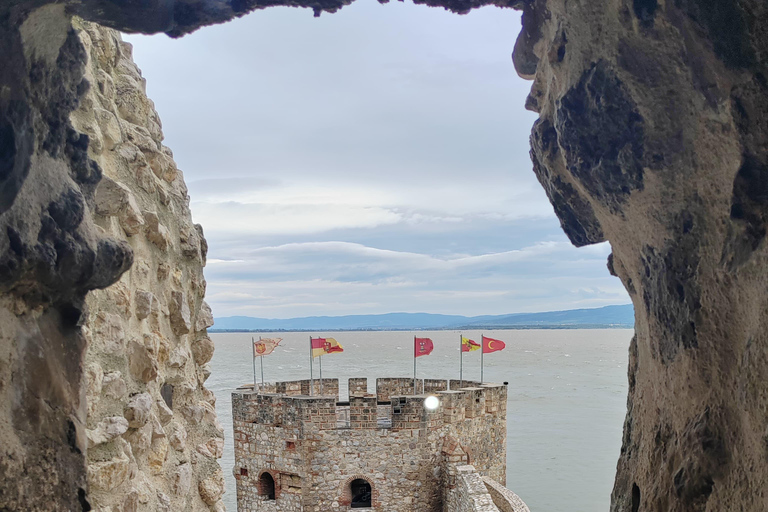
(567, 397)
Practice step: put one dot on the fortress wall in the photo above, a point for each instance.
(153, 436)
(296, 439)
(504, 499)
(358, 386)
(469, 493)
(484, 434)
(459, 384)
(391, 386)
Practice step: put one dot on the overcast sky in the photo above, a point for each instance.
(369, 161)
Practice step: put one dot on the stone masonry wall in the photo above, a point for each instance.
(153, 436)
(504, 499)
(296, 439)
(469, 493)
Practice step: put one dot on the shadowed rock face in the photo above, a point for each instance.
(652, 135)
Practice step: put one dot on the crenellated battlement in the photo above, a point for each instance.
(395, 405)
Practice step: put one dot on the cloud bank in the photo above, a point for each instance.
(370, 161)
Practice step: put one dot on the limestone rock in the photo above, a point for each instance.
(108, 124)
(180, 314)
(178, 358)
(165, 414)
(202, 350)
(108, 333)
(115, 199)
(182, 479)
(142, 361)
(143, 303)
(212, 487)
(138, 410)
(107, 476)
(106, 430)
(140, 439)
(157, 456)
(178, 437)
(163, 502)
(204, 317)
(94, 383)
(114, 386)
(156, 232)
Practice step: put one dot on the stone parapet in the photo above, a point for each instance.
(469, 493)
(289, 404)
(504, 499)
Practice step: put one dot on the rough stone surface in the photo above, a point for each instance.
(143, 341)
(652, 135)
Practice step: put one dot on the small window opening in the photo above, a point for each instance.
(267, 486)
(243, 471)
(361, 493)
(290, 445)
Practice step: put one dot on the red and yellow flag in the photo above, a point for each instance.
(265, 346)
(422, 347)
(468, 345)
(323, 346)
(492, 345)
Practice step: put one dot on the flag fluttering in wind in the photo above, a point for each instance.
(323, 346)
(265, 346)
(422, 347)
(492, 345)
(468, 345)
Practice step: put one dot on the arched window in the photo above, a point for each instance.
(360, 490)
(267, 486)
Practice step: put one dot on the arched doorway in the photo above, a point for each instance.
(360, 490)
(267, 486)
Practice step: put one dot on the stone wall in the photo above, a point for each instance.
(504, 499)
(468, 494)
(153, 436)
(51, 255)
(299, 441)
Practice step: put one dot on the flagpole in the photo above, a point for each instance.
(482, 353)
(254, 364)
(321, 375)
(414, 365)
(311, 365)
(461, 360)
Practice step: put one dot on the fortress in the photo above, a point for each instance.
(389, 452)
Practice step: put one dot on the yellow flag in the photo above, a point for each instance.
(468, 345)
(323, 346)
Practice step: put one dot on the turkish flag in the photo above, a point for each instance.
(492, 345)
(422, 347)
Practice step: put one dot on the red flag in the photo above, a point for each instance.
(323, 346)
(492, 345)
(422, 347)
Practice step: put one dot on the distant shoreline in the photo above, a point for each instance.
(460, 328)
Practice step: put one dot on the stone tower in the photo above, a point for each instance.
(298, 448)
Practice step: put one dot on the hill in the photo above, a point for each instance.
(606, 317)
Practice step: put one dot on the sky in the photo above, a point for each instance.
(370, 161)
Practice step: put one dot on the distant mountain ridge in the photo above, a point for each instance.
(621, 316)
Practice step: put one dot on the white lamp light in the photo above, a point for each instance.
(431, 402)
